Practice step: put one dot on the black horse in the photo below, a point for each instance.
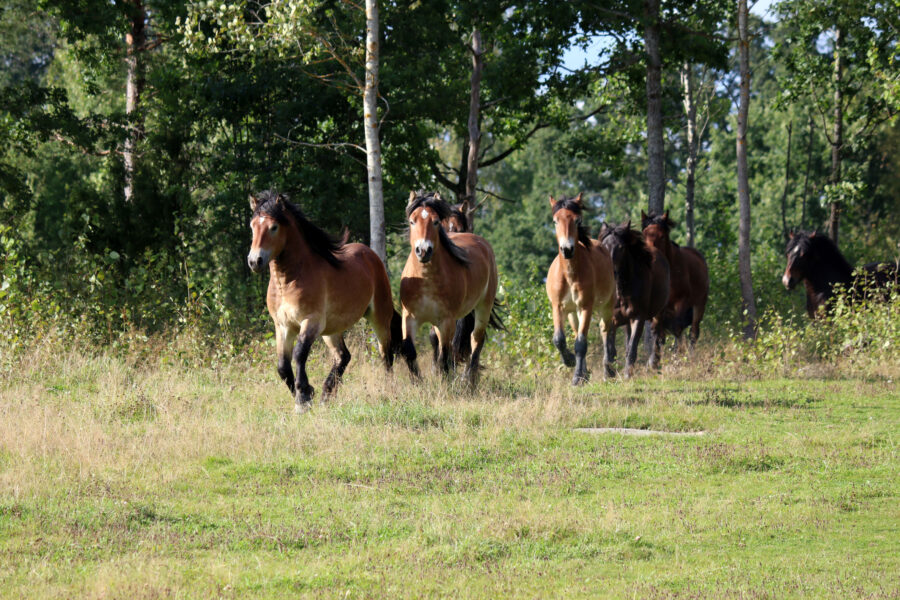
(642, 285)
(815, 260)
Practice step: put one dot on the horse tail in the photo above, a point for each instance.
(496, 320)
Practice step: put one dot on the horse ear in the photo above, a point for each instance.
(578, 198)
(603, 229)
(281, 199)
(813, 234)
(552, 201)
(666, 215)
(628, 224)
(643, 215)
(437, 196)
(254, 202)
(412, 196)
(464, 207)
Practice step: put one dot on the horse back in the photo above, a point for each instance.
(877, 276)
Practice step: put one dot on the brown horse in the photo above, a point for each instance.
(446, 277)
(816, 261)
(579, 281)
(689, 278)
(318, 286)
(460, 220)
(642, 287)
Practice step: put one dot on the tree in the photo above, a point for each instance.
(846, 84)
(742, 174)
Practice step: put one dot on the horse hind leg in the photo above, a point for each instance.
(341, 358)
(637, 328)
(284, 343)
(608, 333)
(462, 338)
(479, 326)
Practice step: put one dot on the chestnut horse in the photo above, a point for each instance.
(689, 278)
(460, 220)
(579, 281)
(642, 287)
(318, 286)
(446, 277)
(816, 261)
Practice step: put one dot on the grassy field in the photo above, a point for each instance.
(133, 476)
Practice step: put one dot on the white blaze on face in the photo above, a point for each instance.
(425, 213)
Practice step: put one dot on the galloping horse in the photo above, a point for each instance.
(580, 280)
(816, 260)
(689, 278)
(318, 286)
(460, 220)
(447, 276)
(642, 286)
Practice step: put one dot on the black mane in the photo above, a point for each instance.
(320, 242)
(584, 234)
(637, 257)
(442, 209)
(662, 220)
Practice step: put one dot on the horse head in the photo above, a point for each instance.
(425, 212)
(656, 229)
(797, 253)
(266, 224)
(567, 220)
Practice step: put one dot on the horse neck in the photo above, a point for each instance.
(295, 253)
(629, 275)
(824, 279)
(570, 265)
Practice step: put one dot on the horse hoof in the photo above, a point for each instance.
(610, 372)
(305, 395)
(568, 360)
(579, 380)
(302, 407)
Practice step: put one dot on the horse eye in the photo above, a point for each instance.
(273, 228)
(412, 222)
(436, 223)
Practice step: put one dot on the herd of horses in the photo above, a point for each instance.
(320, 285)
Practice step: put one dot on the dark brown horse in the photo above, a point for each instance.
(580, 280)
(462, 217)
(642, 287)
(446, 277)
(689, 277)
(318, 286)
(815, 260)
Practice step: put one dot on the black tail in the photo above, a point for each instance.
(496, 321)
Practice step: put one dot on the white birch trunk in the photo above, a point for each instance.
(377, 239)
(746, 278)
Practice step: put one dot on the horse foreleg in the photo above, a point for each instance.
(303, 394)
(341, 357)
(284, 343)
(559, 337)
(462, 339)
(408, 349)
(637, 328)
(445, 337)
(435, 346)
(608, 331)
(656, 337)
(584, 323)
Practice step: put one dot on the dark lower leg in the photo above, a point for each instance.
(304, 391)
(609, 350)
(580, 362)
(559, 340)
(637, 328)
(285, 372)
(462, 338)
(337, 370)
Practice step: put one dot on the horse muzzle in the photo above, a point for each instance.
(424, 251)
(567, 251)
(257, 260)
(788, 281)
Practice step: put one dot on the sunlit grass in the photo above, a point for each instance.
(161, 473)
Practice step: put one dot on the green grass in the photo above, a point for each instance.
(155, 479)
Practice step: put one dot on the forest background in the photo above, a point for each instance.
(135, 130)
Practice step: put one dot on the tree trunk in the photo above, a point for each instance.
(135, 40)
(655, 149)
(690, 110)
(837, 137)
(474, 113)
(373, 144)
(787, 181)
(809, 148)
(743, 177)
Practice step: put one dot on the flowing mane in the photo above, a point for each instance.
(277, 206)
(443, 210)
(584, 234)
